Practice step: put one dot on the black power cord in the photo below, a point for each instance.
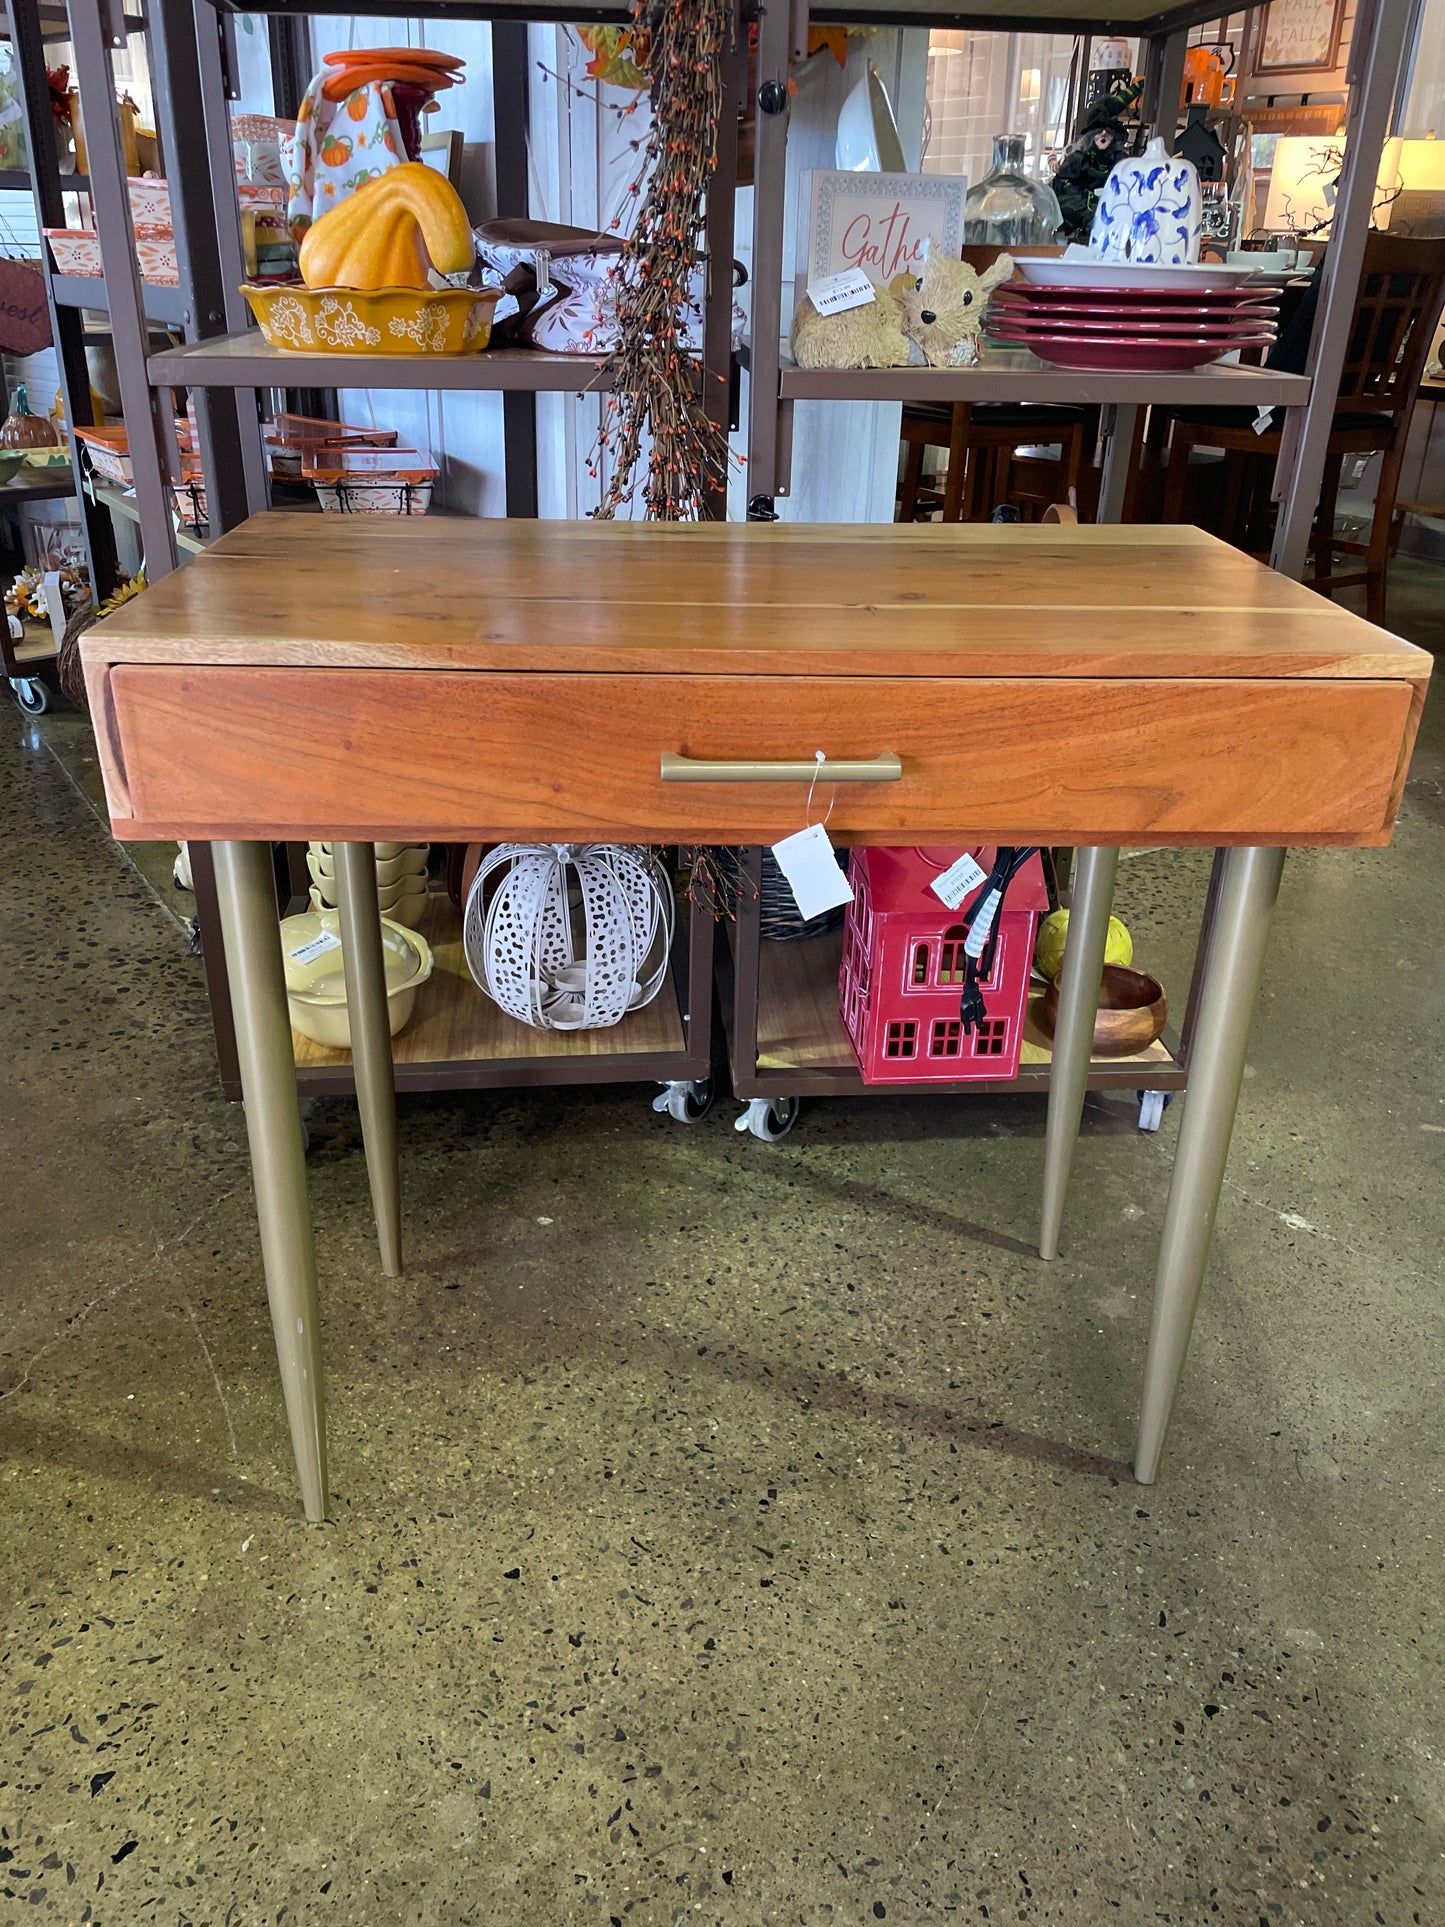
(985, 914)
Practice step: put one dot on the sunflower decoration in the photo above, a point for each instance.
(26, 596)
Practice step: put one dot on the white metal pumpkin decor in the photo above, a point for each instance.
(569, 936)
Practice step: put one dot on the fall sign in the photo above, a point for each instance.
(1299, 36)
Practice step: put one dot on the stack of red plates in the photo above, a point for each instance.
(1132, 328)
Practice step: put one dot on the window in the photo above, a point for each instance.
(951, 959)
(902, 1040)
(920, 963)
(982, 84)
(990, 1037)
(947, 1038)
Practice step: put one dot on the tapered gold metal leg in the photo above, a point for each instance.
(1074, 1031)
(366, 1014)
(245, 894)
(1248, 886)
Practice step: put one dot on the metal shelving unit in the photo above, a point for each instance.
(226, 363)
(28, 25)
(1377, 49)
(784, 1037)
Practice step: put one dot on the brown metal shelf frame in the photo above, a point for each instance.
(226, 366)
(28, 26)
(1376, 52)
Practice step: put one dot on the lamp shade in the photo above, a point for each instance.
(1304, 180)
(1418, 206)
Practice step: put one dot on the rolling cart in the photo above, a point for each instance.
(786, 1041)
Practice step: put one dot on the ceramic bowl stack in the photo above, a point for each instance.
(400, 879)
(1138, 318)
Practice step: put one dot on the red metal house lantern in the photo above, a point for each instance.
(903, 970)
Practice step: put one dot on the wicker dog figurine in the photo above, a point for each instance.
(943, 309)
(867, 337)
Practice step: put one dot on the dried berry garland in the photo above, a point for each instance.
(655, 388)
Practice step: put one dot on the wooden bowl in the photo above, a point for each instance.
(1132, 1011)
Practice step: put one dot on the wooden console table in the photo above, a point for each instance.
(437, 679)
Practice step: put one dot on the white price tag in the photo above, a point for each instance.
(833, 293)
(318, 947)
(807, 859)
(957, 880)
(982, 924)
(1262, 420)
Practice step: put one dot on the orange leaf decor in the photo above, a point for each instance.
(619, 55)
(835, 39)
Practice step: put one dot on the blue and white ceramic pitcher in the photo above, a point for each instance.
(1150, 211)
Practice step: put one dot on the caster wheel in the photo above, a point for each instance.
(31, 694)
(1152, 1106)
(686, 1103)
(769, 1118)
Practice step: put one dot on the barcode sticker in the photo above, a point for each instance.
(318, 947)
(834, 293)
(982, 924)
(957, 880)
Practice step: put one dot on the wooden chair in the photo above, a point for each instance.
(981, 439)
(1399, 302)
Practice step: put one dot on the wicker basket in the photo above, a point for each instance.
(781, 919)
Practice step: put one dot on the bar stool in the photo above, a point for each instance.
(980, 439)
(1401, 291)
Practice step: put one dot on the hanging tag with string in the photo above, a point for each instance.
(810, 863)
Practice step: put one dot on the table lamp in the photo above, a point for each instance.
(1304, 178)
(1418, 208)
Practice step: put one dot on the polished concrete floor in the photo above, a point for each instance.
(723, 1532)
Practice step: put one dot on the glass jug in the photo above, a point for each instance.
(1008, 209)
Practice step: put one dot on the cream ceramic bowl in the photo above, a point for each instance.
(316, 981)
(390, 870)
(403, 905)
(384, 851)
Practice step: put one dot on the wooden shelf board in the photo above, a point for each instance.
(48, 485)
(454, 1023)
(37, 646)
(801, 1034)
(246, 361)
(1014, 375)
(113, 496)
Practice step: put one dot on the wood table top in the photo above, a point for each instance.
(642, 599)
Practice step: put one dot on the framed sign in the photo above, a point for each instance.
(1299, 37)
(881, 223)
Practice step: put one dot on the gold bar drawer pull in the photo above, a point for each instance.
(802, 769)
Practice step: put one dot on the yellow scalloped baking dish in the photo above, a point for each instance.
(374, 321)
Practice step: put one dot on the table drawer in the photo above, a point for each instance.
(221, 752)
